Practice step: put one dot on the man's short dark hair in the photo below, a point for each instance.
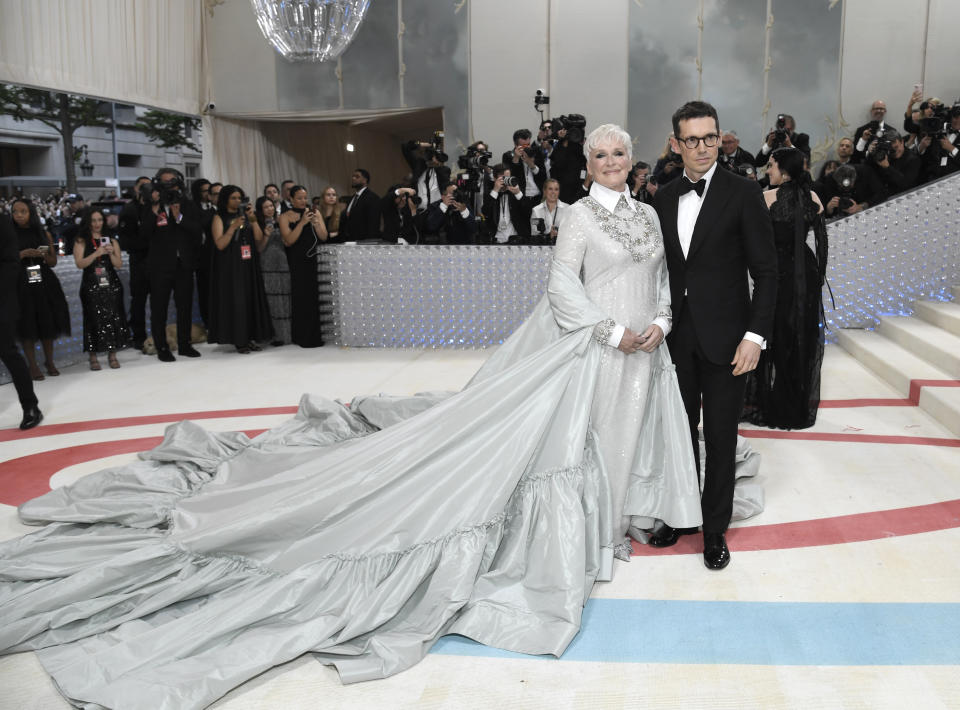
(640, 165)
(366, 175)
(521, 134)
(498, 170)
(142, 177)
(270, 184)
(288, 181)
(693, 109)
(216, 184)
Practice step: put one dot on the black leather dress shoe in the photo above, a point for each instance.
(189, 351)
(667, 536)
(31, 417)
(165, 355)
(715, 552)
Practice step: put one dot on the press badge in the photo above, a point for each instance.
(103, 280)
(245, 252)
(33, 274)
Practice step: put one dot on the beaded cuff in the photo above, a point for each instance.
(603, 330)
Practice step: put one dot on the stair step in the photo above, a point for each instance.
(935, 345)
(890, 360)
(900, 368)
(942, 314)
(956, 293)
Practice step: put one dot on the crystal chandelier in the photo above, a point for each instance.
(309, 30)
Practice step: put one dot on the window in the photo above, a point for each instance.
(190, 170)
(128, 160)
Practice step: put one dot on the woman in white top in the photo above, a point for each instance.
(550, 211)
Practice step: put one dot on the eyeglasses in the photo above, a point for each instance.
(710, 141)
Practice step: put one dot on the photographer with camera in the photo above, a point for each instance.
(568, 164)
(874, 128)
(546, 217)
(782, 135)
(848, 190)
(138, 250)
(361, 219)
(895, 168)
(545, 142)
(399, 207)
(430, 174)
(939, 144)
(526, 165)
(731, 153)
(641, 189)
(451, 219)
(473, 181)
(669, 165)
(172, 227)
(505, 218)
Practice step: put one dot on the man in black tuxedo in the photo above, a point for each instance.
(9, 353)
(506, 220)
(136, 246)
(361, 219)
(783, 136)
(716, 229)
(172, 227)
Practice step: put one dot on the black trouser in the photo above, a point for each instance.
(139, 290)
(16, 365)
(180, 283)
(714, 387)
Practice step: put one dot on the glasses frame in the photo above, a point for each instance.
(713, 137)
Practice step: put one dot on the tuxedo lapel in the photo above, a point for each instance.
(668, 220)
(711, 209)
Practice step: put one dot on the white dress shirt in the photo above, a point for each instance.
(608, 199)
(688, 210)
(428, 189)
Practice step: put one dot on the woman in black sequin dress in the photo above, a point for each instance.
(784, 391)
(43, 311)
(101, 293)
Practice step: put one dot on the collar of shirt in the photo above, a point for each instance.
(708, 177)
(609, 198)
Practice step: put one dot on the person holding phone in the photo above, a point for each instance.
(44, 314)
(98, 255)
(302, 230)
(239, 313)
(274, 269)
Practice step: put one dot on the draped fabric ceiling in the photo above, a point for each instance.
(152, 54)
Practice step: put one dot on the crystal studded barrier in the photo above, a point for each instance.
(429, 296)
(903, 250)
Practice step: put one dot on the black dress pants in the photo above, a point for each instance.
(139, 290)
(16, 365)
(712, 387)
(162, 284)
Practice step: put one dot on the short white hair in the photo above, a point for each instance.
(608, 133)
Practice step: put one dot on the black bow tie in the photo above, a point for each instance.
(685, 186)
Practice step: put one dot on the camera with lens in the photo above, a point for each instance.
(882, 149)
(541, 225)
(780, 131)
(170, 189)
(461, 195)
(845, 177)
(540, 99)
(575, 125)
(744, 170)
(935, 126)
(509, 181)
(474, 159)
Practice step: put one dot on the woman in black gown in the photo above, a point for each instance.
(239, 314)
(302, 231)
(44, 314)
(784, 391)
(101, 293)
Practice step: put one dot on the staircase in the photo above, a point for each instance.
(918, 355)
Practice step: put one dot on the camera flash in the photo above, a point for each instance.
(349, 147)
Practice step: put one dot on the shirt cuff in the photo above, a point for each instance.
(518, 195)
(494, 194)
(535, 170)
(953, 153)
(765, 149)
(465, 214)
(616, 335)
(754, 338)
(665, 325)
(861, 145)
(443, 208)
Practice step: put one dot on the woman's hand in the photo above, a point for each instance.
(31, 254)
(630, 342)
(651, 338)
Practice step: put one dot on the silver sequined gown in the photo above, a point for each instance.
(620, 259)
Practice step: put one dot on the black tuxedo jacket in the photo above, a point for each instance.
(418, 166)
(519, 214)
(363, 221)
(733, 235)
(173, 245)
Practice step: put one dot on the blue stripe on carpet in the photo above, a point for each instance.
(761, 633)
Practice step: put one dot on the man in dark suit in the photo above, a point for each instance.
(505, 218)
(361, 219)
(172, 227)
(716, 229)
(783, 136)
(137, 248)
(9, 353)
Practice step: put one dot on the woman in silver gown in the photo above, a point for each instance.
(363, 534)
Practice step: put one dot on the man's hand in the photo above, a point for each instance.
(885, 163)
(771, 138)
(630, 342)
(515, 189)
(856, 207)
(867, 135)
(833, 204)
(651, 337)
(175, 211)
(924, 143)
(498, 184)
(746, 357)
(458, 206)
(446, 199)
(946, 144)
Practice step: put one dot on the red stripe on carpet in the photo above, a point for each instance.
(94, 424)
(29, 476)
(917, 385)
(849, 438)
(842, 529)
(845, 403)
